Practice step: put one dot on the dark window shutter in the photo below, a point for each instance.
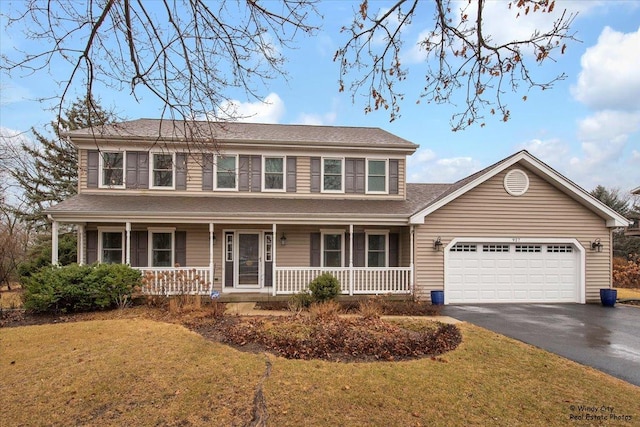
(359, 249)
(243, 179)
(256, 173)
(393, 176)
(314, 247)
(181, 171)
(139, 248)
(180, 256)
(394, 249)
(143, 169)
(93, 164)
(92, 246)
(360, 171)
(350, 175)
(207, 172)
(315, 174)
(291, 174)
(132, 169)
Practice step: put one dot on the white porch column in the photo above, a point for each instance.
(80, 248)
(411, 263)
(274, 276)
(351, 273)
(54, 243)
(212, 235)
(127, 228)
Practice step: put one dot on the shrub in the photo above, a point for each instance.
(326, 310)
(75, 288)
(324, 287)
(370, 308)
(626, 272)
(300, 301)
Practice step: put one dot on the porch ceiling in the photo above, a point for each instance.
(204, 209)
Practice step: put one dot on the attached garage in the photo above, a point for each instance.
(501, 272)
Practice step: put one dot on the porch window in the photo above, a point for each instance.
(332, 175)
(377, 250)
(112, 169)
(226, 173)
(332, 250)
(161, 249)
(376, 176)
(273, 173)
(112, 247)
(162, 170)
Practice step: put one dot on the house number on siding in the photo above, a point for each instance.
(516, 239)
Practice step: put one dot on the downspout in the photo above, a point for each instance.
(274, 274)
(128, 237)
(211, 269)
(351, 272)
(411, 262)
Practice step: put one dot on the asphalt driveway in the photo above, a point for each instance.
(605, 338)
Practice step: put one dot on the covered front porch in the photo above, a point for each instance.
(247, 259)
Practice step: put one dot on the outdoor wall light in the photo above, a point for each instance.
(596, 245)
(283, 240)
(437, 244)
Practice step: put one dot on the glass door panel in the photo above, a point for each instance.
(248, 259)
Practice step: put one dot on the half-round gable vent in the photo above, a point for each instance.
(516, 182)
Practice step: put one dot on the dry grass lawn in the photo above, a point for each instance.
(139, 372)
(624, 293)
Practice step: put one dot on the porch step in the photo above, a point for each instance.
(240, 307)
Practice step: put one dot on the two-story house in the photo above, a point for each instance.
(265, 208)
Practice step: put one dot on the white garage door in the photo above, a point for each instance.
(505, 272)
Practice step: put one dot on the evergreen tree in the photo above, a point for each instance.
(613, 199)
(52, 173)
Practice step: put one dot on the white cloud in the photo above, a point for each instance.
(316, 119)
(424, 166)
(609, 78)
(546, 149)
(11, 93)
(271, 110)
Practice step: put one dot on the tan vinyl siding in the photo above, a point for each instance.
(303, 175)
(489, 211)
(194, 173)
(402, 178)
(82, 170)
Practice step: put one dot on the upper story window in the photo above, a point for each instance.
(376, 176)
(226, 176)
(333, 175)
(162, 170)
(112, 169)
(274, 173)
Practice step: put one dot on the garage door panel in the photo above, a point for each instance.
(512, 273)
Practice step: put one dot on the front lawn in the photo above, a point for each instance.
(140, 372)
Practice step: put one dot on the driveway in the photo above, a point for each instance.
(604, 338)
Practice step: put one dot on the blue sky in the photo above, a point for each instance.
(587, 127)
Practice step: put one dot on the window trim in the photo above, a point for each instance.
(215, 172)
(101, 168)
(162, 230)
(152, 185)
(100, 241)
(384, 233)
(284, 174)
(342, 177)
(324, 233)
(386, 176)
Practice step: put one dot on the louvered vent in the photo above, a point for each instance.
(516, 182)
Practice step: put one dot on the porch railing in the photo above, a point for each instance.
(353, 281)
(176, 280)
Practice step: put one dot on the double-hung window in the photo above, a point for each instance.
(226, 176)
(111, 246)
(332, 244)
(377, 176)
(162, 170)
(332, 175)
(274, 173)
(112, 169)
(377, 254)
(161, 248)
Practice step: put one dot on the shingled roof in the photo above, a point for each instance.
(180, 130)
